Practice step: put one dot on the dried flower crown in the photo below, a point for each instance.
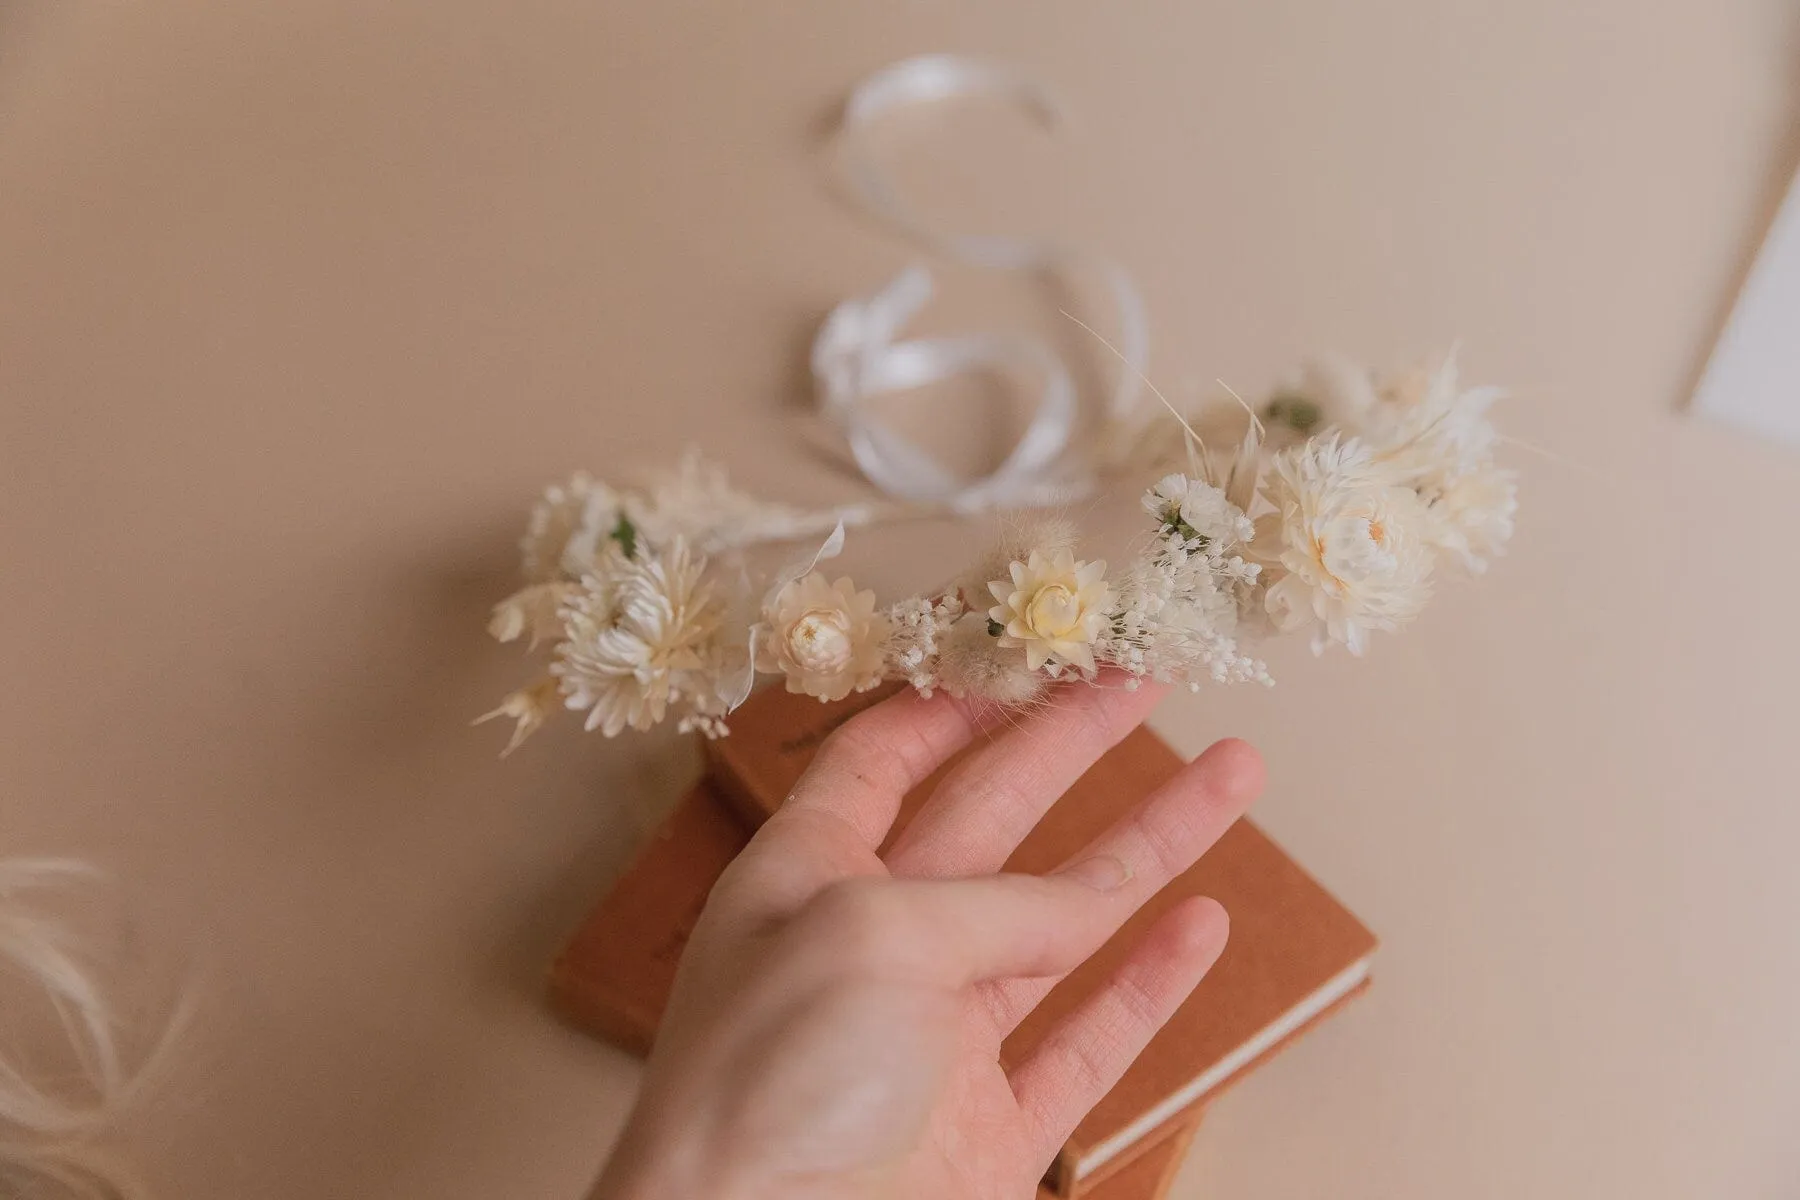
(1331, 521)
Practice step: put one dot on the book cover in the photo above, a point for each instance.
(615, 974)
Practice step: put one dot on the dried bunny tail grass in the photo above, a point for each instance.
(972, 666)
(48, 1135)
(1020, 534)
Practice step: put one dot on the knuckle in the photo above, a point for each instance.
(849, 754)
(859, 920)
(1137, 1007)
(1103, 717)
(884, 747)
(1172, 836)
(1086, 1069)
(996, 800)
(850, 740)
(1106, 1046)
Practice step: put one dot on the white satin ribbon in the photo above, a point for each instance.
(857, 354)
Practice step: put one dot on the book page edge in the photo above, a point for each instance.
(1289, 1022)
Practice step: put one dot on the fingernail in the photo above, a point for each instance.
(1103, 872)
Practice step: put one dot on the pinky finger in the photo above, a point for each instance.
(1084, 1055)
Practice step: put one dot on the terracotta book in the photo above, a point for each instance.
(1149, 1176)
(1295, 953)
(615, 976)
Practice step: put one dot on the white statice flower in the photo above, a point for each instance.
(1054, 606)
(534, 610)
(825, 637)
(1349, 544)
(919, 627)
(1178, 603)
(528, 708)
(568, 529)
(1164, 498)
(642, 635)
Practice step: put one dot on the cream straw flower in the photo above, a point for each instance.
(826, 638)
(529, 707)
(641, 635)
(1349, 542)
(1053, 606)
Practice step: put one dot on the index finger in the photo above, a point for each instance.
(866, 767)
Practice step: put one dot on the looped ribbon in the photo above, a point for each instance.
(856, 355)
(858, 352)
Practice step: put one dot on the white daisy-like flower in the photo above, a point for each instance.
(641, 634)
(825, 637)
(1435, 437)
(528, 707)
(568, 529)
(1164, 498)
(1178, 501)
(1177, 604)
(1054, 606)
(1350, 544)
(531, 610)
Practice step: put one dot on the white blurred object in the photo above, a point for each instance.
(1753, 379)
(59, 1104)
(858, 353)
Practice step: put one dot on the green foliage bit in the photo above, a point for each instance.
(995, 628)
(625, 533)
(1186, 532)
(1296, 412)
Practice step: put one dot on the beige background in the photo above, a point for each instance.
(299, 304)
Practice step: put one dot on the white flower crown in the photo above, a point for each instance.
(1337, 533)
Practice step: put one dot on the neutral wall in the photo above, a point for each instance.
(299, 304)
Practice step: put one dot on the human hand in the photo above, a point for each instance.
(836, 1021)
